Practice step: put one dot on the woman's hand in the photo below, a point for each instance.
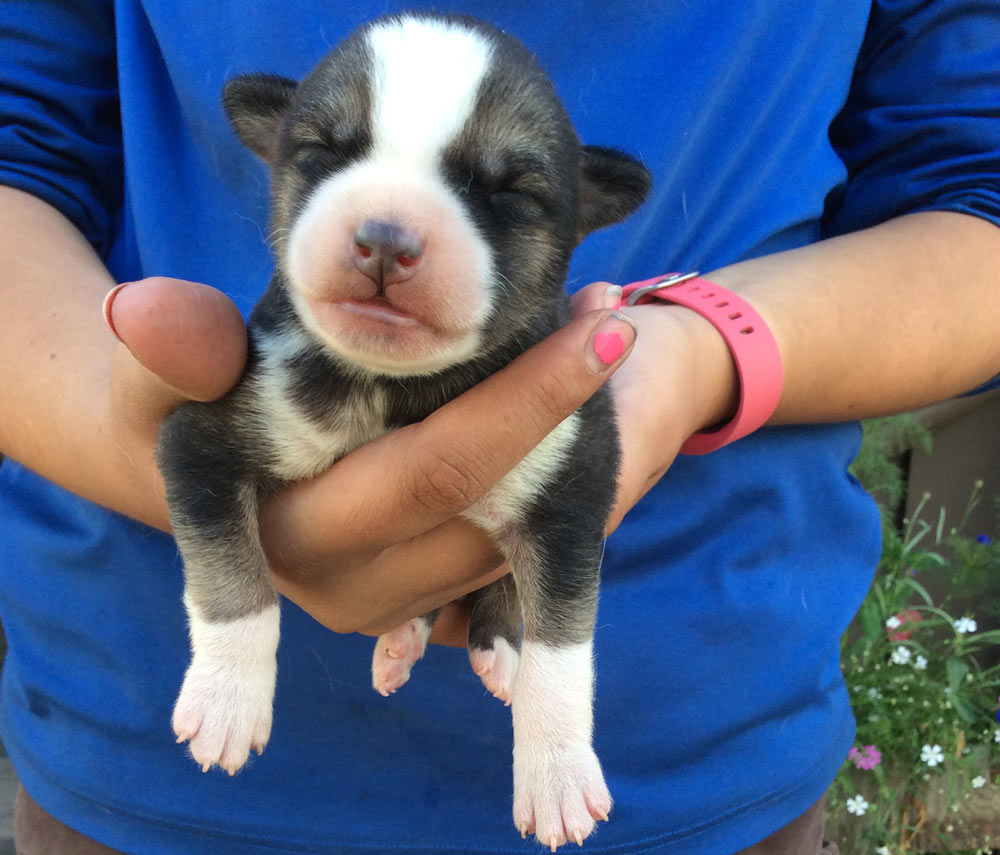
(679, 379)
(375, 540)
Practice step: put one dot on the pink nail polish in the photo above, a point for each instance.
(608, 347)
(109, 299)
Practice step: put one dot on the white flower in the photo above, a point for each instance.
(894, 623)
(996, 736)
(858, 806)
(874, 695)
(965, 624)
(978, 782)
(932, 755)
(901, 655)
(883, 850)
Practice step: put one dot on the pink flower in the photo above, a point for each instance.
(910, 616)
(867, 758)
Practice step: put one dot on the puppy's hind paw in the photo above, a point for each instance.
(395, 654)
(496, 667)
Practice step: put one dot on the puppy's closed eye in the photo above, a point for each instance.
(318, 152)
(520, 205)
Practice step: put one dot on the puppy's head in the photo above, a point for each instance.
(428, 190)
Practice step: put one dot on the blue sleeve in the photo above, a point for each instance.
(60, 127)
(921, 126)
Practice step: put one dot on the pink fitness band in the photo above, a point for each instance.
(751, 343)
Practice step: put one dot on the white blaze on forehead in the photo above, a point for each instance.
(425, 78)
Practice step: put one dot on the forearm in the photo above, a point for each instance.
(56, 412)
(880, 321)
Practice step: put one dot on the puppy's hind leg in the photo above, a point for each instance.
(397, 651)
(495, 635)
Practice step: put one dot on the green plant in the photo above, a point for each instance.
(878, 465)
(924, 679)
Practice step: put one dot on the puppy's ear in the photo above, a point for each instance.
(256, 105)
(612, 185)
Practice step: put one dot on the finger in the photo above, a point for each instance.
(594, 297)
(189, 338)
(429, 472)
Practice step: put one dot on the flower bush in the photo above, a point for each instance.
(924, 677)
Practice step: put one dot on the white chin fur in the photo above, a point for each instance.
(399, 352)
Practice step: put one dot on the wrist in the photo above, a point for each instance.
(715, 393)
(748, 338)
(705, 384)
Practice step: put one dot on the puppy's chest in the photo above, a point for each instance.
(301, 442)
(303, 439)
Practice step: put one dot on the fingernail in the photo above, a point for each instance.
(611, 339)
(109, 299)
(612, 298)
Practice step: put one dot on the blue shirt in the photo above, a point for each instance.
(720, 711)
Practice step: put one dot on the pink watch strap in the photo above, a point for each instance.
(751, 343)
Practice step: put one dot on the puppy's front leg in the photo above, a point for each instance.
(225, 704)
(559, 789)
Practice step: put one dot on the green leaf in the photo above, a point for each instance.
(956, 670)
(870, 616)
(914, 540)
(924, 560)
(920, 589)
(963, 708)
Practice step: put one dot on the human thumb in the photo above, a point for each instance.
(181, 341)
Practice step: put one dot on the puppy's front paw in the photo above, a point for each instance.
(224, 713)
(225, 705)
(395, 654)
(496, 667)
(559, 792)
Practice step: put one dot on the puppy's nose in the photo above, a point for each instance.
(385, 252)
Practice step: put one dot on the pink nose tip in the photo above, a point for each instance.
(385, 252)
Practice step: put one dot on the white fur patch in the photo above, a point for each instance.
(301, 447)
(559, 789)
(425, 78)
(511, 496)
(225, 705)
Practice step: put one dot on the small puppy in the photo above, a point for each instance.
(428, 190)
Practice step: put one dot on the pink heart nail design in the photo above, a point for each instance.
(608, 346)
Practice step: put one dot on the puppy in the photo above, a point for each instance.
(428, 190)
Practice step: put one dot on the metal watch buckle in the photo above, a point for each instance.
(665, 282)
